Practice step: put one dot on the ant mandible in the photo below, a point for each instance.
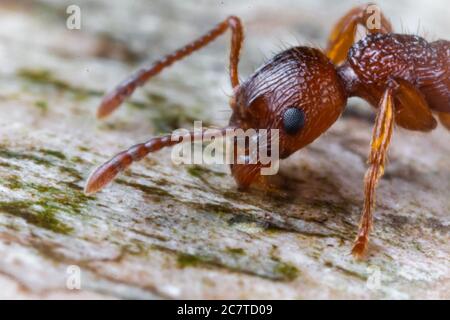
(303, 91)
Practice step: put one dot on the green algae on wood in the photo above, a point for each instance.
(10, 154)
(279, 270)
(43, 217)
(44, 204)
(44, 201)
(47, 78)
(190, 260)
(236, 251)
(53, 153)
(287, 270)
(42, 105)
(149, 190)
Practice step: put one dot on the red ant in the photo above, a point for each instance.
(303, 91)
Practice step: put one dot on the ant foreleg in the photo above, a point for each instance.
(113, 99)
(382, 133)
(410, 111)
(343, 34)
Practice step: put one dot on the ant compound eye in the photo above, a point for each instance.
(293, 120)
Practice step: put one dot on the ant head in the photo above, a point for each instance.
(298, 92)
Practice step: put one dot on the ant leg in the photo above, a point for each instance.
(104, 174)
(411, 109)
(381, 138)
(444, 117)
(343, 34)
(113, 99)
(407, 105)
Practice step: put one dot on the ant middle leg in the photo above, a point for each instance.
(343, 34)
(113, 99)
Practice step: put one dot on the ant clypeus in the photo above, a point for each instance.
(303, 91)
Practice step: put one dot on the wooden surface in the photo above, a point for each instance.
(166, 231)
